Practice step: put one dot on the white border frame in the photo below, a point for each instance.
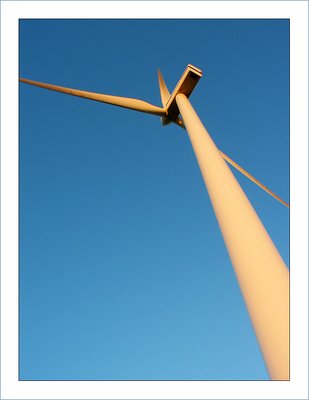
(297, 387)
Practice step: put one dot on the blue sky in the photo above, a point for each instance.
(123, 271)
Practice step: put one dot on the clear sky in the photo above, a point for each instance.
(123, 271)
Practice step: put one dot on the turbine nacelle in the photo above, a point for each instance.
(185, 85)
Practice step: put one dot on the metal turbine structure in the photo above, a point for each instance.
(261, 273)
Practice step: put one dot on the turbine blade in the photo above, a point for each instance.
(249, 176)
(180, 123)
(125, 102)
(165, 94)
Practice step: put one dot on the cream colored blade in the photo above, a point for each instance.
(180, 123)
(249, 176)
(126, 102)
(165, 94)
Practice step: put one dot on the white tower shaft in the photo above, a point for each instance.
(261, 273)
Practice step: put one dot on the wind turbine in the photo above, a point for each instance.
(261, 273)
